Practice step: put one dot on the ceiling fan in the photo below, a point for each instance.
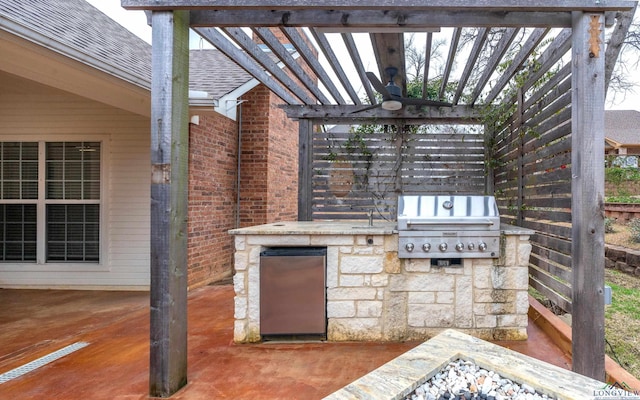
(392, 94)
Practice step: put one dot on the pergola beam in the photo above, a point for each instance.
(452, 5)
(458, 114)
(400, 20)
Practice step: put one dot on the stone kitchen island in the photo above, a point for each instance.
(372, 295)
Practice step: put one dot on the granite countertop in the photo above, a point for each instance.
(325, 227)
(342, 227)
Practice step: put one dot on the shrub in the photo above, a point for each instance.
(617, 175)
(634, 226)
(608, 225)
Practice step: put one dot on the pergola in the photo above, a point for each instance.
(322, 93)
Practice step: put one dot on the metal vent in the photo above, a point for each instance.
(28, 367)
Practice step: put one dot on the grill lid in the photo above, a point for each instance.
(447, 212)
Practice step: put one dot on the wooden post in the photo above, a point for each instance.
(169, 173)
(489, 154)
(587, 189)
(305, 169)
(520, 141)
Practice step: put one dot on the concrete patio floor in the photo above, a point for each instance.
(115, 363)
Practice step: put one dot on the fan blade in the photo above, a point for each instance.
(423, 102)
(377, 85)
(370, 107)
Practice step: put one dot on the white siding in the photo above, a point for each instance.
(30, 111)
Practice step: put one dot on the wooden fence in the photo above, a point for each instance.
(532, 151)
(356, 172)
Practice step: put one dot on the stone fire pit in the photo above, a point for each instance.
(402, 375)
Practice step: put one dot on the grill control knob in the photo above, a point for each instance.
(482, 246)
(459, 246)
(471, 246)
(443, 246)
(409, 247)
(426, 247)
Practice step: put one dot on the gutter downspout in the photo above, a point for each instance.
(238, 104)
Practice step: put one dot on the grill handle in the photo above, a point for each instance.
(449, 221)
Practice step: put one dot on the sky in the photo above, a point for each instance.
(136, 22)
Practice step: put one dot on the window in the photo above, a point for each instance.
(50, 191)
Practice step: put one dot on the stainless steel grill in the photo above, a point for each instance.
(448, 227)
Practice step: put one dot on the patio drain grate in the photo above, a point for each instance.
(37, 363)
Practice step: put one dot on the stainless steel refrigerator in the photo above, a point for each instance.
(293, 292)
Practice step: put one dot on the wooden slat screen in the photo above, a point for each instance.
(355, 173)
(533, 183)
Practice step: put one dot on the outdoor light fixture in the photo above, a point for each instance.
(391, 105)
(391, 102)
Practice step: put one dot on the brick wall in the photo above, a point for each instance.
(282, 195)
(269, 174)
(268, 188)
(212, 198)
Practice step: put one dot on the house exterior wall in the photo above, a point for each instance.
(31, 112)
(213, 145)
(269, 159)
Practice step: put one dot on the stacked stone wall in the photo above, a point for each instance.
(374, 296)
(622, 259)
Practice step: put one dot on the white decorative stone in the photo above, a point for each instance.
(498, 277)
(516, 320)
(486, 321)
(391, 243)
(331, 240)
(444, 297)
(524, 252)
(240, 307)
(361, 264)
(238, 284)
(522, 302)
(482, 277)
(430, 315)
(253, 294)
(279, 240)
(482, 295)
(240, 260)
(369, 309)
(240, 242)
(254, 255)
(521, 278)
(346, 250)
(421, 298)
(417, 265)
(239, 331)
(421, 282)
(361, 250)
(341, 309)
(332, 267)
(351, 293)
(341, 329)
(351, 280)
(379, 280)
(511, 251)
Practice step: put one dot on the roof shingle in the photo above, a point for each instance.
(78, 30)
(623, 126)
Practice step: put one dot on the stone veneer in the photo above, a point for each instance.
(372, 295)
